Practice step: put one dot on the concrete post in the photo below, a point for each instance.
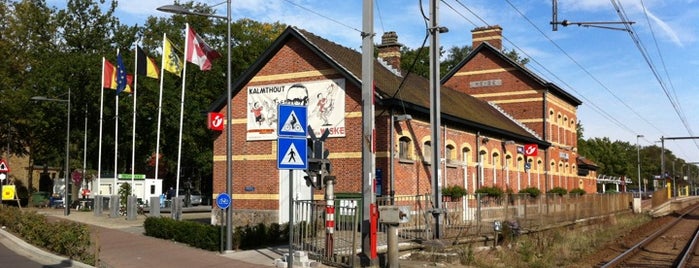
(114, 206)
(154, 206)
(131, 207)
(97, 205)
(393, 245)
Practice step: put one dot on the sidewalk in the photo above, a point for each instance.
(122, 244)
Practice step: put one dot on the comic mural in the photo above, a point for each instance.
(325, 100)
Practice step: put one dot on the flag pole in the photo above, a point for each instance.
(184, 77)
(99, 153)
(160, 105)
(116, 138)
(133, 122)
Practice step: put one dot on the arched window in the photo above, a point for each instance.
(449, 153)
(465, 155)
(427, 151)
(404, 148)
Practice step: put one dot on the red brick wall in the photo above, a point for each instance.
(255, 161)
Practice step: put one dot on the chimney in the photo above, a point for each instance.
(490, 34)
(389, 49)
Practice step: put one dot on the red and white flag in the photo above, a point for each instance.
(198, 52)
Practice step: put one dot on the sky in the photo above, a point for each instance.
(638, 83)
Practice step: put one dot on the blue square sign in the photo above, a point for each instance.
(293, 121)
(292, 153)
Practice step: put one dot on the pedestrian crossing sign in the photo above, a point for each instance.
(292, 153)
(292, 121)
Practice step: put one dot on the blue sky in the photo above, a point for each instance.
(622, 97)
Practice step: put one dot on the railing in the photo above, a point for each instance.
(470, 216)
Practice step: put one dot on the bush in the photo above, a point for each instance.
(491, 191)
(532, 191)
(578, 191)
(454, 191)
(558, 191)
(207, 237)
(191, 233)
(60, 237)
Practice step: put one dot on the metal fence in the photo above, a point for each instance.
(470, 216)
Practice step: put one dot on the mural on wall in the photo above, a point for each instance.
(325, 100)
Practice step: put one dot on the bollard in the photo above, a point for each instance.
(97, 206)
(392, 245)
(154, 210)
(131, 208)
(114, 206)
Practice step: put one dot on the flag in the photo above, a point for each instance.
(121, 79)
(108, 75)
(198, 52)
(171, 61)
(145, 65)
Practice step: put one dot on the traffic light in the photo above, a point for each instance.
(318, 164)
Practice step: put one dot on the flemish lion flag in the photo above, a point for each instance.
(146, 65)
(171, 60)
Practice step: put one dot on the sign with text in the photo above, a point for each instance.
(324, 99)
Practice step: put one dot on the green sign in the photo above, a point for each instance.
(135, 176)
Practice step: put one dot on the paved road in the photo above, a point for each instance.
(8, 258)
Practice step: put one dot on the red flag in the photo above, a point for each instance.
(109, 75)
(198, 52)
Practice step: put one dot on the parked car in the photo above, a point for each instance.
(194, 196)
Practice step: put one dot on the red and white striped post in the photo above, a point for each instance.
(329, 216)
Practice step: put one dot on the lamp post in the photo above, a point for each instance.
(176, 9)
(66, 199)
(638, 162)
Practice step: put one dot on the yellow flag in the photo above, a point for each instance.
(172, 62)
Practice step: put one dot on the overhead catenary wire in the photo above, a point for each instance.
(590, 102)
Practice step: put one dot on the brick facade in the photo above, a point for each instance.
(547, 114)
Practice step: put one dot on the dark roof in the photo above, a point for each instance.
(551, 87)
(583, 162)
(457, 107)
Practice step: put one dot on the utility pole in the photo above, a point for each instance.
(369, 255)
(435, 115)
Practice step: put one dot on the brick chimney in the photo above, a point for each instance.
(490, 34)
(389, 49)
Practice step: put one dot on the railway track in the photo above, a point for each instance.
(673, 245)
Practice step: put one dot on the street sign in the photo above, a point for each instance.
(292, 121)
(4, 168)
(527, 166)
(223, 200)
(292, 153)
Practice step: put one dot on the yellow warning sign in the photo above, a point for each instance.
(9, 192)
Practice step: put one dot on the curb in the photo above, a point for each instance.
(36, 254)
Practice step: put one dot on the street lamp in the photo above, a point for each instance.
(638, 162)
(66, 172)
(176, 9)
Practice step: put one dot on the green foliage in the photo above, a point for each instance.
(61, 237)
(532, 191)
(124, 193)
(558, 191)
(491, 191)
(47, 51)
(192, 233)
(577, 191)
(207, 237)
(455, 191)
